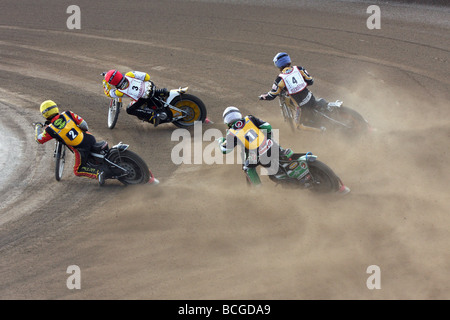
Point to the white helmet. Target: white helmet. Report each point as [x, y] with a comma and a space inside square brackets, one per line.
[231, 114]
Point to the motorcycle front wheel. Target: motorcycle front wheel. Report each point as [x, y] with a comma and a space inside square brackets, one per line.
[60, 159]
[113, 112]
[288, 116]
[194, 110]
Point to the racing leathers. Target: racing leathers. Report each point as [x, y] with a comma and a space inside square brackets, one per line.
[295, 81]
[254, 137]
[72, 130]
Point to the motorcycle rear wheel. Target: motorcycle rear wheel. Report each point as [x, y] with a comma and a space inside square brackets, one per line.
[355, 122]
[288, 116]
[193, 106]
[325, 180]
[138, 172]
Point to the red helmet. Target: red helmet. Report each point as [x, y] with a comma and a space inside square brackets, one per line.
[113, 77]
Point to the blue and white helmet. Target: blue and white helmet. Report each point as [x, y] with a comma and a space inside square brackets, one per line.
[231, 114]
[281, 60]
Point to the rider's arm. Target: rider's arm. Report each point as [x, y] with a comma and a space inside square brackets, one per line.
[277, 87]
[80, 122]
[263, 125]
[110, 91]
[114, 93]
[106, 88]
[227, 144]
[41, 135]
[138, 75]
[308, 79]
[83, 126]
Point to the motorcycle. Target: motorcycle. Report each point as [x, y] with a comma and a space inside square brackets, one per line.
[178, 107]
[333, 117]
[116, 162]
[303, 170]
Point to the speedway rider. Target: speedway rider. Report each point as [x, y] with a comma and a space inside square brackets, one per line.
[137, 86]
[73, 131]
[254, 135]
[295, 80]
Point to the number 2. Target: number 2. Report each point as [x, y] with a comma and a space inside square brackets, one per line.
[72, 134]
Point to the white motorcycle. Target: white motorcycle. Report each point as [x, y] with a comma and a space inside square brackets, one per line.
[178, 107]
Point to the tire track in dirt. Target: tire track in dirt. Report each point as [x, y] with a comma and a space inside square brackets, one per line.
[247, 62]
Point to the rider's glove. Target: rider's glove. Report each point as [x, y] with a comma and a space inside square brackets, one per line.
[38, 129]
[220, 140]
[106, 88]
[263, 96]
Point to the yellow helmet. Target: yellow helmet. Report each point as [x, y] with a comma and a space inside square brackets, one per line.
[49, 109]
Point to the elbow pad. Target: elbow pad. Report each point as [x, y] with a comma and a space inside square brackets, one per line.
[266, 126]
[83, 126]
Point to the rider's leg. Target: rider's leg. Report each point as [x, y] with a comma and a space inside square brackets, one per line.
[251, 173]
[134, 108]
[308, 119]
[321, 103]
[80, 168]
[81, 152]
[147, 114]
[252, 177]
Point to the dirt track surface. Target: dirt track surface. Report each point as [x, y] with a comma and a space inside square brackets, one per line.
[201, 234]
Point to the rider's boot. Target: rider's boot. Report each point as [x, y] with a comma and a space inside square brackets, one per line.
[156, 119]
[286, 153]
[153, 180]
[252, 177]
[322, 104]
[101, 178]
[343, 190]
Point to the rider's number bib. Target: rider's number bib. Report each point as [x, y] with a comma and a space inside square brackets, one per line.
[135, 90]
[294, 81]
[251, 135]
